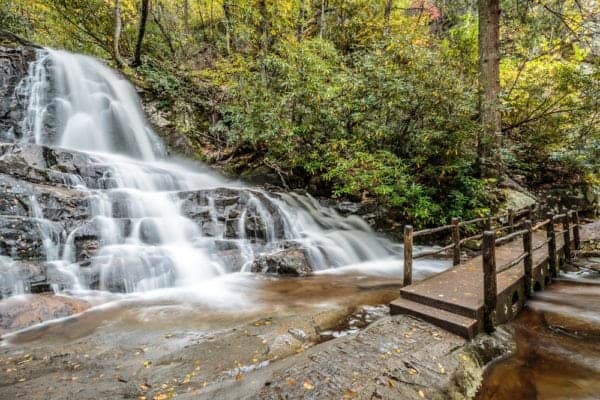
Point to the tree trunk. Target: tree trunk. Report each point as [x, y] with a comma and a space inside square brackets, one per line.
[264, 36]
[117, 36]
[386, 18]
[137, 60]
[322, 19]
[489, 139]
[227, 14]
[301, 21]
[186, 16]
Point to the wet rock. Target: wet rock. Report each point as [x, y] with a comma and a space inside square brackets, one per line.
[20, 313]
[23, 237]
[14, 65]
[393, 358]
[232, 260]
[149, 233]
[284, 262]
[60, 204]
[45, 165]
[239, 213]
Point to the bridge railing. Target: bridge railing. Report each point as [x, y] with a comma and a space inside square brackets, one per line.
[569, 222]
[504, 224]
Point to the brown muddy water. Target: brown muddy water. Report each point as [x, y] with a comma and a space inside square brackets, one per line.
[558, 348]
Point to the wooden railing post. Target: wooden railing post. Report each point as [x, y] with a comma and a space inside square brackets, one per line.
[576, 237]
[456, 241]
[408, 254]
[511, 219]
[489, 223]
[567, 238]
[528, 260]
[489, 281]
[530, 213]
[551, 236]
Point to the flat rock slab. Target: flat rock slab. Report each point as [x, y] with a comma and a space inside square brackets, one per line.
[22, 312]
[394, 358]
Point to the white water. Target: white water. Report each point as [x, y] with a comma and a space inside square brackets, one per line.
[95, 111]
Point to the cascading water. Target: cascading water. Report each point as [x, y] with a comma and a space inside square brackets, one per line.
[142, 233]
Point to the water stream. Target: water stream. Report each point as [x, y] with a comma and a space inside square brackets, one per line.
[558, 348]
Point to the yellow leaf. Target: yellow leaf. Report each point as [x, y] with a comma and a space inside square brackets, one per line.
[422, 394]
[308, 385]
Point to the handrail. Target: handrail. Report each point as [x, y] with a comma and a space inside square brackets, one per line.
[474, 221]
[541, 224]
[570, 222]
[431, 230]
[433, 252]
[549, 265]
[475, 237]
[539, 246]
[520, 213]
[509, 237]
[512, 263]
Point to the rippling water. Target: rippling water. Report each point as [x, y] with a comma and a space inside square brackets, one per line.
[558, 348]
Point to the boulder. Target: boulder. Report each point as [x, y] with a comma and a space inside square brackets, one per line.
[291, 261]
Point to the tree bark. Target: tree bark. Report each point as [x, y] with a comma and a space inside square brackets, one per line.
[386, 18]
[137, 60]
[489, 140]
[186, 16]
[301, 21]
[117, 35]
[227, 14]
[322, 19]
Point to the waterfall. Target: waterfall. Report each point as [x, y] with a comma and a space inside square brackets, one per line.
[155, 223]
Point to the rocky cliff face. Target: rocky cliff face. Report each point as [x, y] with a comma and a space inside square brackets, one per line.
[14, 65]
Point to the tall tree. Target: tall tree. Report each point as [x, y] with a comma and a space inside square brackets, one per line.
[137, 60]
[117, 35]
[489, 87]
[227, 22]
[386, 17]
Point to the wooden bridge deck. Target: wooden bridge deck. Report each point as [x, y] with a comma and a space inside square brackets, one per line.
[454, 299]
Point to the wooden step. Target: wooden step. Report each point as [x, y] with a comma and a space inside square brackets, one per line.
[409, 293]
[457, 324]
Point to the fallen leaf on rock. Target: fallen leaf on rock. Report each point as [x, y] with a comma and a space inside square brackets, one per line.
[147, 364]
[308, 385]
[442, 370]
[291, 381]
[239, 376]
[422, 394]
[391, 383]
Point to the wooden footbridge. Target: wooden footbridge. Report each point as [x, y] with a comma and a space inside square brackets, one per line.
[516, 258]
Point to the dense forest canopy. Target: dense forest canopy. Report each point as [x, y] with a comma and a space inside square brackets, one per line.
[374, 100]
